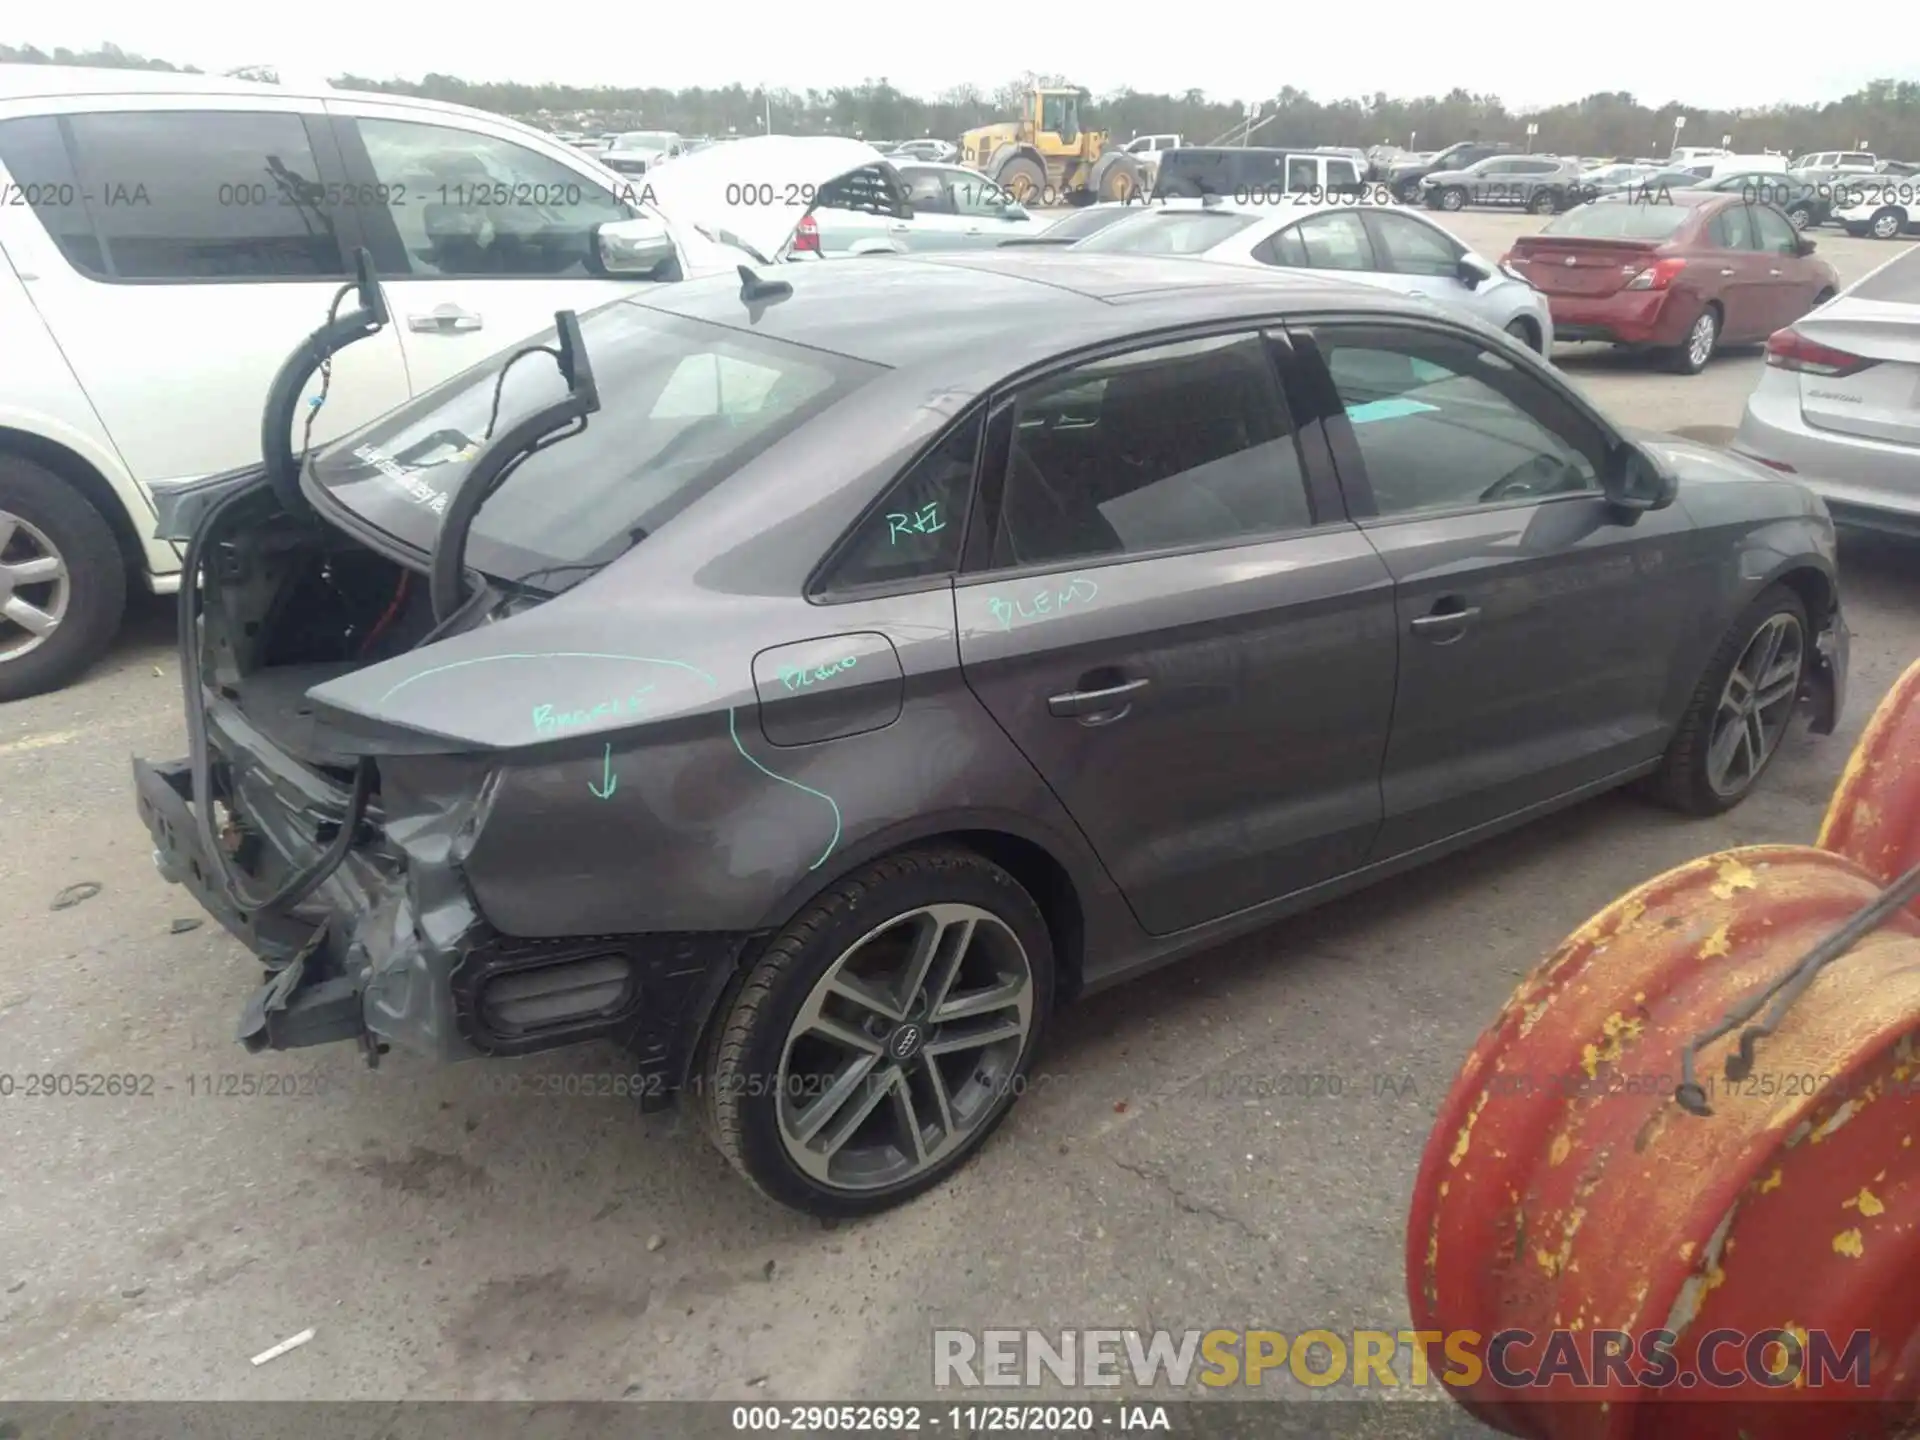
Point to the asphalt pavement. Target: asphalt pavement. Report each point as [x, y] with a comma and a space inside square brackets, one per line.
[450, 1234]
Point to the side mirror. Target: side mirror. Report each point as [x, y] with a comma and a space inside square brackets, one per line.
[1803, 246]
[639, 249]
[1636, 481]
[1473, 272]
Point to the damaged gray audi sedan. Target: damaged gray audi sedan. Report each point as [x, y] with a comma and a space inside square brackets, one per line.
[809, 685]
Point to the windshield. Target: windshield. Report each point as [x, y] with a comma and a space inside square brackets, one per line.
[1168, 232]
[684, 404]
[1620, 220]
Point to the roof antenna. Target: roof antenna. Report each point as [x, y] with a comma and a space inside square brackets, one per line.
[757, 291]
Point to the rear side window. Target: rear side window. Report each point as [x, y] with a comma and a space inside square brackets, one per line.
[35, 154]
[1181, 444]
[915, 533]
[190, 195]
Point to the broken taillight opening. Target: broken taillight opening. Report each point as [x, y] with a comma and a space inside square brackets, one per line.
[1788, 349]
[1657, 276]
[806, 237]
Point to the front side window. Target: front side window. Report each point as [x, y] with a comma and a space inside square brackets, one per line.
[927, 191]
[1181, 444]
[915, 533]
[1414, 248]
[191, 195]
[1443, 424]
[1302, 174]
[1772, 233]
[974, 194]
[465, 204]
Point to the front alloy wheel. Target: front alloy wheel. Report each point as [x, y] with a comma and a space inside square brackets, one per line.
[34, 587]
[1756, 705]
[880, 1037]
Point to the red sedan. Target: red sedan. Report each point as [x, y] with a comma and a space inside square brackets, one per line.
[1680, 272]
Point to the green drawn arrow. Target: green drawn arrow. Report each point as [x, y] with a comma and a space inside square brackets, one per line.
[607, 778]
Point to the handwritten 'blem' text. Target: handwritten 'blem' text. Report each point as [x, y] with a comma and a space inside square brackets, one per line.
[1042, 603]
[799, 679]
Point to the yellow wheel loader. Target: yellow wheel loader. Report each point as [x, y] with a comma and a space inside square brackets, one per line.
[1045, 158]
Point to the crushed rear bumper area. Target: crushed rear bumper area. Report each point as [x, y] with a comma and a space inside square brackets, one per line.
[391, 950]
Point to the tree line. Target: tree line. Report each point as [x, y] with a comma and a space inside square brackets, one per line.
[1884, 115]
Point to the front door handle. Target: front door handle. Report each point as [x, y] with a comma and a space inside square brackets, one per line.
[444, 320]
[900, 227]
[1117, 698]
[1445, 623]
[1773, 272]
[1729, 272]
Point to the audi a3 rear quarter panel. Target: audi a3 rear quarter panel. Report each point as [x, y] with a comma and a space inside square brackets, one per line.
[900, 650]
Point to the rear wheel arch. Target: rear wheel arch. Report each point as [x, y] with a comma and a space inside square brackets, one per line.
[1027, 859]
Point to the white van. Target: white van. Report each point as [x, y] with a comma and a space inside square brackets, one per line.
[168, 239]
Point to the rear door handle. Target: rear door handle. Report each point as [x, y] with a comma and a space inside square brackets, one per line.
[1095, 702]
[444, 320]
[1729, 272]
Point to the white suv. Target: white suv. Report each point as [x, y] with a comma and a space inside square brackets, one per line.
[166, 240]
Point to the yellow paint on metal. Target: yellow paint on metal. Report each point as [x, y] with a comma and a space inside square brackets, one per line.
[1465, 1138]
[1849, 1243]
[1734, 875]
[1717, 943]
[1869, 1203]
[1562, 1147]
[1772, 1182]
[1616, 1031]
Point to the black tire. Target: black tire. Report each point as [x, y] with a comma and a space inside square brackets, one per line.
[1543, 202]
[1120, 182]
[750, 1040]
[1682, 781]
[1522, 330]
[96, 579]
[1822, 298]
[1686, 358]
[1025, 181]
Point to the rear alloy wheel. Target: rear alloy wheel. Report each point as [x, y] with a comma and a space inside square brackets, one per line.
[883, 1035]
[1801, 216]
[63, 584]
[1887, 224]
[1692, 354]
[1453, 198]
[1741, 710]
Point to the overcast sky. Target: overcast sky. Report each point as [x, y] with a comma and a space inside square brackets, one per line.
[1530, 55]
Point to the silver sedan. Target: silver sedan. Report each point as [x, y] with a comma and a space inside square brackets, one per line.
[1397, 249]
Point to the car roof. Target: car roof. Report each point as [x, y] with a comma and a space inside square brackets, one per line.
[46, 82]
[968, 314]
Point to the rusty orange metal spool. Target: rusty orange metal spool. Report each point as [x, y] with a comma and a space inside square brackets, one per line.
[1565, 1190]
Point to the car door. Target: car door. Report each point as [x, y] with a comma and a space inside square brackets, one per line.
[1416, 258]
[1165, 610]
[982, 208]
[1790, 281]
[1535, 621]
[478, 237]
[1736, 274]
[199, 242]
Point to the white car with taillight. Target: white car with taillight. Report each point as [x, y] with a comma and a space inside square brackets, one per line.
[1838, 406]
